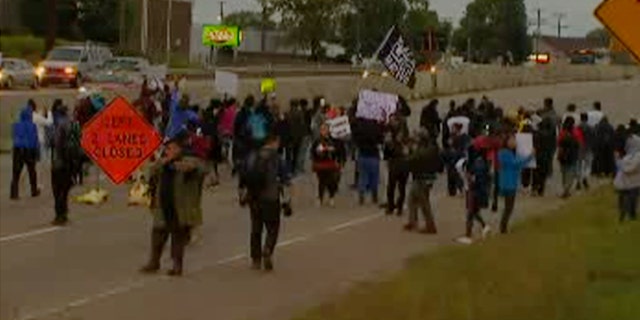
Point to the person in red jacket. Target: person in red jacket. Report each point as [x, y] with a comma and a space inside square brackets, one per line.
[570, 141]
[328, 156]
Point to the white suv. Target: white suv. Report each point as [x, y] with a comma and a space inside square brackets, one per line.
[68, 64]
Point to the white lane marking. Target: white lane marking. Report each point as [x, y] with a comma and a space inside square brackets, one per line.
[141, 283]
[28, 234]
[354, 222]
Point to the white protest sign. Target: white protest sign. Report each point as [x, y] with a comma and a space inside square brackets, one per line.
[374, 105]
[524, 148]
[339, 127]
[461, 120]
[226, 83]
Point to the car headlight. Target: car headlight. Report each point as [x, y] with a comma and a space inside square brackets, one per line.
[69, 70]
[40, 71]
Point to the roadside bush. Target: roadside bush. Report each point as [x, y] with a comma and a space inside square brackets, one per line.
[28, 47]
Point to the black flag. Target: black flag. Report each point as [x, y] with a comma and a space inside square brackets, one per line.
[395, 54]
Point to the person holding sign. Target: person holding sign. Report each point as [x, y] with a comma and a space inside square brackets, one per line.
[328, 156]
[368, 137]
[509, 175]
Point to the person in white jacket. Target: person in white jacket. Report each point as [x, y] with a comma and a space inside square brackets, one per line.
[42, 119]
[627, 180]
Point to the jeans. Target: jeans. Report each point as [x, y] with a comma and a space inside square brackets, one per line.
[264, 215]
[509, 204]
[586, 165]
[22, 157]
[303, 152]
[397, 180]
[61, 182]
[569, 176]
[628, 203]
[420, 200]
[368, 175]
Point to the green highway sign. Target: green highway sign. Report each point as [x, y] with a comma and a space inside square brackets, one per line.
[221, 36]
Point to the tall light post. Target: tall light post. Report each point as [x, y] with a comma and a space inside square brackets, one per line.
[169, 14]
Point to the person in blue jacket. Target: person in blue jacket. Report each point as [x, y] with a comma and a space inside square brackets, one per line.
[509, 177]
[25, 151]
[181, 115]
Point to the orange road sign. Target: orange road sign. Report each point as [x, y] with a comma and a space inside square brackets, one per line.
[119, 139]
[622, 18]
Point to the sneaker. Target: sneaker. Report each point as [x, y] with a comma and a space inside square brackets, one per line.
[464, 240]
[268, 263]
[409, 227]
[485, 232]
[585, 183]
[149, 269]
[256, 265]
[175, 272]
[36, 193]
[332, 203]
[319, 203]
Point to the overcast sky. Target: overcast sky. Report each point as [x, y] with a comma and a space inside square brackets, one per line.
[579, 13]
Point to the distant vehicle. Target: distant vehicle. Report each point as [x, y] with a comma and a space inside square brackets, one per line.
[70, 64]
[17, 72]
[126, 70]
[583, 57]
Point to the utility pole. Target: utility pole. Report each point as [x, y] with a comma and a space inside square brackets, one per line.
[560, 26]
[144, 32]
[121, 32]
[538, 30]
[52, 30]
[169, 14]
[222, 12]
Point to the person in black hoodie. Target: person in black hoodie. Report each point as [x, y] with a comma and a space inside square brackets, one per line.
[396, 150]
[604, 163]
[328, 156]
[430, 119]
[544, 141]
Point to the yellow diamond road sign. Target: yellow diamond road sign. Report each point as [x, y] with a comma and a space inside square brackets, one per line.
[622, 18]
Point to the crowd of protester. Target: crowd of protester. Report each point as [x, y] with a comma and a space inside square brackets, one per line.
[265, 144]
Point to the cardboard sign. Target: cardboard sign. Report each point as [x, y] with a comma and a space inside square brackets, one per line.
[118, 139]
[339, 127]
[267, 85]
[226, 83]
[374, 105]
[524, 148]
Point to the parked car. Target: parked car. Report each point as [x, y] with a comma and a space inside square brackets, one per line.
[126, 70]
[17, 72]
[70, 64]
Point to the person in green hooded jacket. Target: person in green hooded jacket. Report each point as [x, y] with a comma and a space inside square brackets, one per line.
[175, 186]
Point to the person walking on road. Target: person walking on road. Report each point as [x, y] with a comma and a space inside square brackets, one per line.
[478, 177]
[65, 160]
[26, 147]
[424, 164]
[267, 181]
[586, 152]
[396, 151]
[175, 187]
[570, 141]
[510, 170]
[627, 180]
[368, 137]
[328, 156]
[43, 120]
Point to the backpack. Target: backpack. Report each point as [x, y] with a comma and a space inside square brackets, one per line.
[255, 175]
[569, 149]
[257, 125]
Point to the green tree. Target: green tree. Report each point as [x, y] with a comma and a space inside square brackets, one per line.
[600, 35]
[98, 20]
[309, 22]
[366, 23]
[494, 27]
[35, 15]
[249, 19]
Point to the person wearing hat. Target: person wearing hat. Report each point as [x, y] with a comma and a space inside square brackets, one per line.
[175, 186]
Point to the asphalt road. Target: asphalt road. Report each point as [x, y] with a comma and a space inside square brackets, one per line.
[88, 269]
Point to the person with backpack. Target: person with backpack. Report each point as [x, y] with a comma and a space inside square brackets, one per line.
[509, 175]
[267, 181]
[328, 157]
[627, 180]
[175, 184]
[570, 141]
[477, 175]
[65, 160]
[26, 147]
[368, 138]
[424, 163]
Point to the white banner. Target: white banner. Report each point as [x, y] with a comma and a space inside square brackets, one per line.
[339, 127]
[226, 83]
[376, 105]
[524, 148]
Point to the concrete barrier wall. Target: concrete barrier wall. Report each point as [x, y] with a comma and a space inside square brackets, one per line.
[343, 89]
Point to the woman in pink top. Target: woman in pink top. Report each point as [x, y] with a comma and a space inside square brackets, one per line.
[225, 125]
